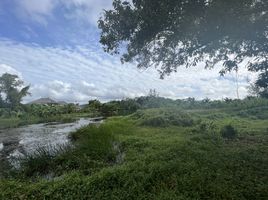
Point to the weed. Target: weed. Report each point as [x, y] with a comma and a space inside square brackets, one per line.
[228, 132]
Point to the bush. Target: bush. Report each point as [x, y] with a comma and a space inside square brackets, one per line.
[157, 121]
[163, 118]
[93, 148]
[228, 132]
[206, 127]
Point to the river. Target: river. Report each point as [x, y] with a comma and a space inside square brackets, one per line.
[16, 142]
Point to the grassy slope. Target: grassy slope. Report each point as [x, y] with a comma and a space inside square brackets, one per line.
[168, 162]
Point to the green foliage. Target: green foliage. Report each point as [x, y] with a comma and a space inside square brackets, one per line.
[250, 107]
[41, 162]
[112, 108]
[172, 152]
[93, 148]
[154, 102]
[254, 113]
[9, 85]
[37, 113]
[128, 106]
[168, 34]
[45, 111]
[228, 132]
[170, 163]
[96, 142]
[2, 102]
[163, 118]
[206, 127]
[261, 85]
[93, 106]
[192, 104]
[25, 119]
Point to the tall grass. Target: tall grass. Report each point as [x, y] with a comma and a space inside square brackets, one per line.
[42, 161]
[92, 149]
[163, 117]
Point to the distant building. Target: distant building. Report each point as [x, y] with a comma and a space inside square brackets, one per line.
[47, 101]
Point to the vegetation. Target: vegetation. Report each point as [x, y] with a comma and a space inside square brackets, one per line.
[152, 147]
[228, 132]
[9, 85]
[13, 113]
[168, 34]
[31, 114]
[163, 118]
[260, 87]
[123, 107]
[152, 100]
[92, 149]
[202, 151]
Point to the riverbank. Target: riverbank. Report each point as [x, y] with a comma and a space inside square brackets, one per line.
[14, 122]
[154, 154]
[18, 144]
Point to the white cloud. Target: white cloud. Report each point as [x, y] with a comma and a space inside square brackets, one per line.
[81, 10]
[89, 10]
[78, 92]
[39, 7]
[82, 73]
[8, 69]
[36, 10]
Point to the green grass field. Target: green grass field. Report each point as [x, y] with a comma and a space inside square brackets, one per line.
[154, 154]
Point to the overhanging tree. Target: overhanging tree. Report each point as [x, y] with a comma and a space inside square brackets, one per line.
[166, 34]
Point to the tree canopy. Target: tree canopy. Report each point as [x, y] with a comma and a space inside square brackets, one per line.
[166, 34]
[260, 87]
[13, 90]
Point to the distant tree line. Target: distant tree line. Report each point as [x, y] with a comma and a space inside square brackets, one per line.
[12, 91]
[129, 106]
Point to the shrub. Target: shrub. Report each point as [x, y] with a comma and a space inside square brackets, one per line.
[163, 117]
[157, 121]
[207, 127]
[228, 132]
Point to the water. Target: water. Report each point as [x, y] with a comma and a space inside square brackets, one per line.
[16, 142]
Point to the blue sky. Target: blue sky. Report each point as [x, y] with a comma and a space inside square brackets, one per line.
[53, 46]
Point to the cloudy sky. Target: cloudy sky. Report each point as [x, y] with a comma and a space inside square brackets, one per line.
[53, 46]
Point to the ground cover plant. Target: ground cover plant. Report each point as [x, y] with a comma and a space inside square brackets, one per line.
[219, 155]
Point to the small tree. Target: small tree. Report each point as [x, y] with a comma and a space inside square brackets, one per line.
[95, 105]
[110, 109]
[2, 103]
[10, 86]
[262, 84]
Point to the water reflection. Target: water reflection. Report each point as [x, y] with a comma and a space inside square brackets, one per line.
[18, 141]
